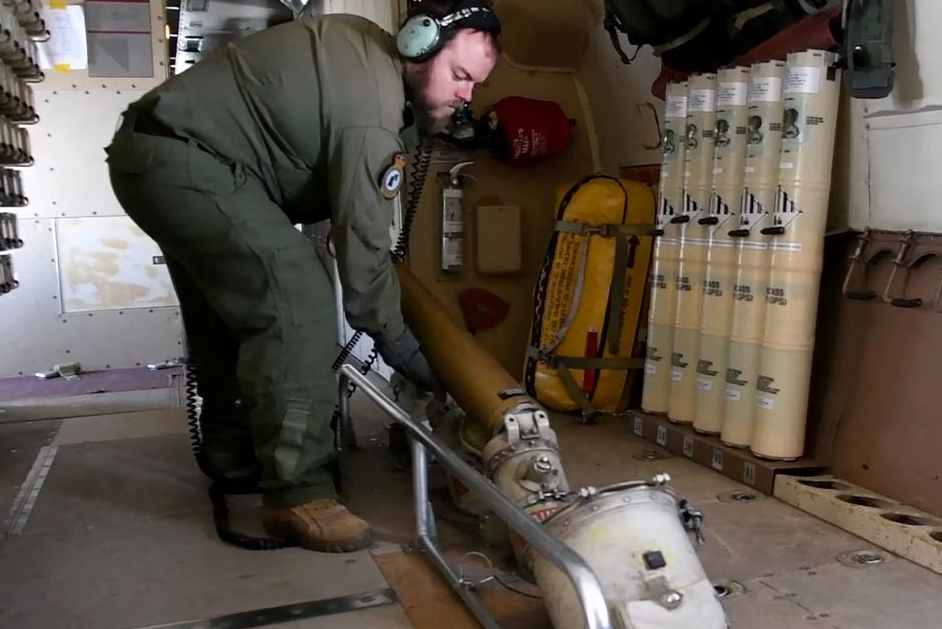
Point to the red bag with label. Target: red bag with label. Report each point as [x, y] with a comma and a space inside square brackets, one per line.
[530, 131]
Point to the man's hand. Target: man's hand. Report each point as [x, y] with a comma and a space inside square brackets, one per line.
[405, 356]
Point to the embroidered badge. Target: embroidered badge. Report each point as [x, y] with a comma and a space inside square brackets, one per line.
[392, 177]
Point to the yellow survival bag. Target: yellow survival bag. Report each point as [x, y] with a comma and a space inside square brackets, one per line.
[589, 296]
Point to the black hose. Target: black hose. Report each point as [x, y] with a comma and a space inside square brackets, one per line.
[220, 485]
[423, 159]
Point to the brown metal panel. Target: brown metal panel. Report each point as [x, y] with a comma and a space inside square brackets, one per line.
[837, 327]
[880, 422]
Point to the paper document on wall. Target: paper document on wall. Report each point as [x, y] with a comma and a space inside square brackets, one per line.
[120, 39]
[111, 16]
[66, 49]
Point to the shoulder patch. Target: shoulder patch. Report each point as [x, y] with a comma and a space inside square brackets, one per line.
[392, 177]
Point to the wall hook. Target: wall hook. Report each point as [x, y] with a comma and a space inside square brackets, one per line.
[641, 107]
[915, 264]
[899, 263]
[861, 290]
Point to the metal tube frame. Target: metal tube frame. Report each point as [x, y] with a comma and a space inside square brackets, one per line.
[583, 579]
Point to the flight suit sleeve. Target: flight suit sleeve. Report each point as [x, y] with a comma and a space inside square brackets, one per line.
[361, 218]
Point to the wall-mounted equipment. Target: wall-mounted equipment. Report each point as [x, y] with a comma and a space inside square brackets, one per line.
[9, 232]
[498, 238]
[868, 48]
[516, 130]
[451, 259]
[19, 67]
[202, 26]
[8, 279]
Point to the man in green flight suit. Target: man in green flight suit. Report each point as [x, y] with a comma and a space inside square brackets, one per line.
[299, 123]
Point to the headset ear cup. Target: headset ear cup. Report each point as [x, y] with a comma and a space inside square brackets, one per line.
[418, 36]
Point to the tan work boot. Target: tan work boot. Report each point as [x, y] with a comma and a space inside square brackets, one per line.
[321, 525]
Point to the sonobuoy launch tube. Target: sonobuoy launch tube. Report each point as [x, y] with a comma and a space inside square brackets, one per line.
[764, 144]
[799, 220]
[656, 388]
[732, 112]
[698, 186]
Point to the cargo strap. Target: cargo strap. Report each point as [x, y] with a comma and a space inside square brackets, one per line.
[606, 230]
[562, 364]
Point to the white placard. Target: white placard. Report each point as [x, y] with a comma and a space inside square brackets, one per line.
[765, 89]
[803, 80]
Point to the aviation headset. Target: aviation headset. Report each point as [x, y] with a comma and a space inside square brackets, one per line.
[422, 35]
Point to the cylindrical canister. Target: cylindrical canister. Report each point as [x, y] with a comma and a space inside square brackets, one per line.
[655, 393]
[732, 112]
[811, 93]
[643, 525]
[760, 182]
[698, 188]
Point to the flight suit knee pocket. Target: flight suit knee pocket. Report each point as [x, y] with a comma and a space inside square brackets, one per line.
[299, 441]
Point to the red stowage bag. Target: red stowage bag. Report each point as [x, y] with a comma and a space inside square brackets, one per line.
[530, 131]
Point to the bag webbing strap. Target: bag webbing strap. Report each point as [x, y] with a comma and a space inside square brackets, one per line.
[584, 362]
[563, 364]
[616, 293]
[576, 298]
[606, 230]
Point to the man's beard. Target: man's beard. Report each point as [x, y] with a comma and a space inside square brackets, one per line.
[427, 124]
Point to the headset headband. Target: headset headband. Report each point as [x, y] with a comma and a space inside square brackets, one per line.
[461, 14]
[421, 36]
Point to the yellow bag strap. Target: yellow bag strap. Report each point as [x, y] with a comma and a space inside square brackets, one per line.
[606, 230]
[623, 254]
[616, 292]
[584, 362]
[563, 364]
[576, 298]
[572, 388]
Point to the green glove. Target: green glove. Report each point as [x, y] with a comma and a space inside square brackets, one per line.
[405, 356]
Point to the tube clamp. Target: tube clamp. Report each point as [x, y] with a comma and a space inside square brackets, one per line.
[520, 448]
[547, 496]
[530, 424]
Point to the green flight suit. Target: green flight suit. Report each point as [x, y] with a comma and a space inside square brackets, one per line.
[293, 124]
